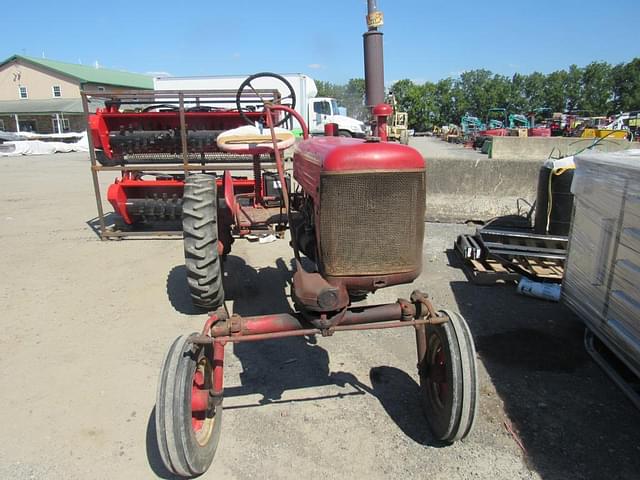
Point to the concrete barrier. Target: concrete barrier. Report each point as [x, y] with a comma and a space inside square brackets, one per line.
[463, 184]
[540, 148]
[465, 189]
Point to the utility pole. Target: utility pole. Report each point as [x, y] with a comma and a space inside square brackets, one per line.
[373, 56]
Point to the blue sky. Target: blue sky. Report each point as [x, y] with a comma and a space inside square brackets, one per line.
[424, 39]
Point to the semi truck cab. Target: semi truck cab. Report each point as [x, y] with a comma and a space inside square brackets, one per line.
[323, 110]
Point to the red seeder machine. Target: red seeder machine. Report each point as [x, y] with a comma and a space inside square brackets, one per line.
[357, 215]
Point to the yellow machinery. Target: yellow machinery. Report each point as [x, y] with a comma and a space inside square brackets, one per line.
[397, 128]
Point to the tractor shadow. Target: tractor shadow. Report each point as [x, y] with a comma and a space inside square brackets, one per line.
[114, 223]
[570, 418]
[270, 368]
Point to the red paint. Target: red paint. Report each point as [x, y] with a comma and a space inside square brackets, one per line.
[199, 401]
[270, 324]
[106, 121]
[99, 133]
[218, 368]
[494, 132]
[131, 186]
[331, 130]
[318, 156]
[382, 112]
[539, 132]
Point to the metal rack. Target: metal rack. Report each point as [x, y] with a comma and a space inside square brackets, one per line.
[219, 100]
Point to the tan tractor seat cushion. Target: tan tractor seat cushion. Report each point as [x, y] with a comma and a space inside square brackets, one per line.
[250, 139]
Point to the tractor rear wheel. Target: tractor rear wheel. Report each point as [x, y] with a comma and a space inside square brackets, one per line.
[449, 379]
[200, 232]
[188, 423]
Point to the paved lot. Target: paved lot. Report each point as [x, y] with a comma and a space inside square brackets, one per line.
[85, 325]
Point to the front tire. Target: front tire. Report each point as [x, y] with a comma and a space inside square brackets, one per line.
[188, 428]
[449, 379]
[200, 233]
[344, 133]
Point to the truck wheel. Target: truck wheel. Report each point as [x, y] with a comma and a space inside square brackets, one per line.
[188, 425]
[449, 379]
[344, 133]
[200, 231]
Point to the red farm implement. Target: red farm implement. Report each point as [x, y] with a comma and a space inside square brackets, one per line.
[154, 139]
[356, 223]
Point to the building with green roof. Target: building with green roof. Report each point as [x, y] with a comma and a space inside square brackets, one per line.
[43, 96]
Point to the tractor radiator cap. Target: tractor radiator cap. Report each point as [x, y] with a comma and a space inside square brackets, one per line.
[371, 139]
[382, 110]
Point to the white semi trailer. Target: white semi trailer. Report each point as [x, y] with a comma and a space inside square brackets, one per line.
[316, 111]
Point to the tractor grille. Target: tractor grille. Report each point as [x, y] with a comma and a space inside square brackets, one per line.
[372, 223]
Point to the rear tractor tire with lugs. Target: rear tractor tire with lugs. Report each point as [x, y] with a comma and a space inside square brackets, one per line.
[200, 230]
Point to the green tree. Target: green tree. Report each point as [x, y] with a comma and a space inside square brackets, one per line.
[554, 91]
[517, 101]
[534, 91]
[573, 88]
[353, 99]
[597, 88]
[445, 101]
[626, 86]
[473, 89]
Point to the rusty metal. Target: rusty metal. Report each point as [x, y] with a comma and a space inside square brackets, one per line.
[379, 313]
[217, 392]
[283, 325]
[373, 62]
[421, 344]
[421, 299]
[312, 291]
[257, 175]
[94, 175]
[205, 339]
[348, 223]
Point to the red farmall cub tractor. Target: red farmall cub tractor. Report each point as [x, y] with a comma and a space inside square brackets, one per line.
[357, 216]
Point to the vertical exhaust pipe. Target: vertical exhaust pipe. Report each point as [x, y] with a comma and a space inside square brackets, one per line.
[373, 56]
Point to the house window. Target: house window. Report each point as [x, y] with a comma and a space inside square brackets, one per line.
[64, 122]
[2, 125]
[56, 91]
[23, 92]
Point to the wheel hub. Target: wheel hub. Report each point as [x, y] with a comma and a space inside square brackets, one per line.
[202, 414]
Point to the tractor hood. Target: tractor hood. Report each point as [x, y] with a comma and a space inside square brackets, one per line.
[338, 154]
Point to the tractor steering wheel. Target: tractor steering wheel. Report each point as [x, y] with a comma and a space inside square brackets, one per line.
[287, 100]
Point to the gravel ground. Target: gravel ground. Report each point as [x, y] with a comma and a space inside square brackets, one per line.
[86, 324]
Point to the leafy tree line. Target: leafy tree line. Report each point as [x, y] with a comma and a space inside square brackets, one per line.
[596, 89]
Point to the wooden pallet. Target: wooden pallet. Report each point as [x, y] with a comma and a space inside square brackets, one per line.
[543, 268]
[488, 272]
[492, 272]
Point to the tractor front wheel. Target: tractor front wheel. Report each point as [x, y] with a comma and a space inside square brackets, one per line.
[449, 379]
[188, 423]
[200, 231]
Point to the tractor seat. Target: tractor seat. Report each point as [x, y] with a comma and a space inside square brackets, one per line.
[249, 139]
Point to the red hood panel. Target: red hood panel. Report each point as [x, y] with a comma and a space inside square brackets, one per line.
[339, 154]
